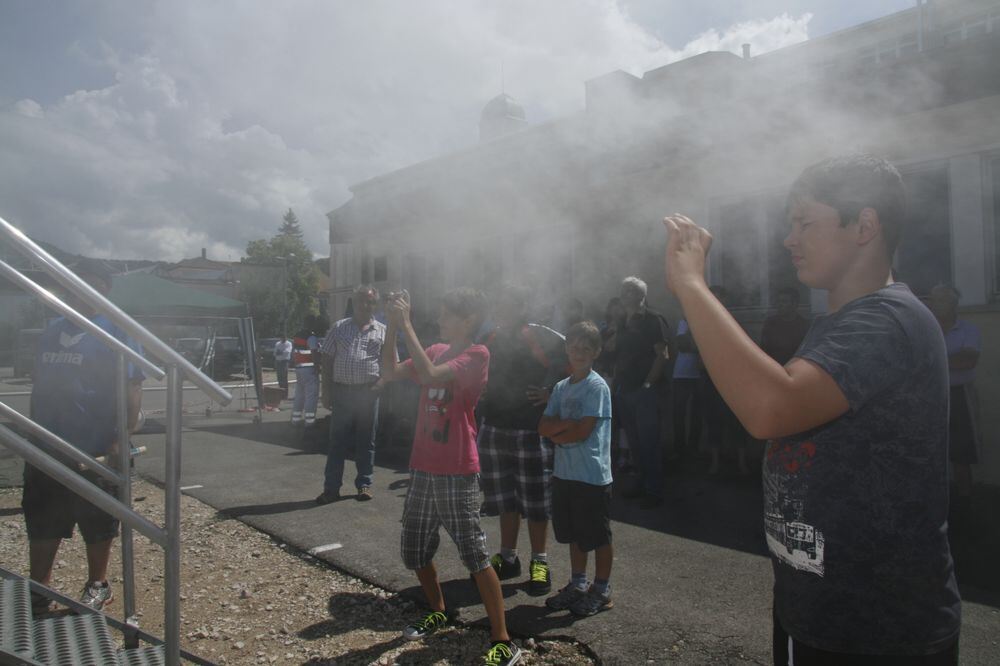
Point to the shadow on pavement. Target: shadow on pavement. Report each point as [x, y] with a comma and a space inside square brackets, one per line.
[544, 618]
[270, 509]
[458, 593]
[725, 510]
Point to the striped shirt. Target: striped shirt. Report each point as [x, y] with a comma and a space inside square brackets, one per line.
[356, 352]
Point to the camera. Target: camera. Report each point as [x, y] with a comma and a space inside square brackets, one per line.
[400, 293]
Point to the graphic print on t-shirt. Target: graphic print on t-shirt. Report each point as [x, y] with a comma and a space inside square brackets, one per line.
[438, 405]
[789, 537]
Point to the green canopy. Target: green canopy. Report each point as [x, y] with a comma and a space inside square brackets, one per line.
[146, 294]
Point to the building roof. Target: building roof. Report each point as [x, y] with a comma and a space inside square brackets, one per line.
[145, 294]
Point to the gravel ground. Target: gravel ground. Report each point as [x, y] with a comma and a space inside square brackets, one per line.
[247, 600]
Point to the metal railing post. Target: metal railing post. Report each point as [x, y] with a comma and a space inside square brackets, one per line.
[125, 497]
[172, 553]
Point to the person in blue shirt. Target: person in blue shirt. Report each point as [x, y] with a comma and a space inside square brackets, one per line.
[578, 420]
[74, 397]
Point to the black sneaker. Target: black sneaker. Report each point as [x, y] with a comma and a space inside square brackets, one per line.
[504, 568]
[502, 653]
[539, 578]
[428, 624]
[327, 498]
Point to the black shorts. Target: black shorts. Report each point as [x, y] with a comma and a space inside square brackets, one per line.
[581, 513]
[961, 427]
[51, 510]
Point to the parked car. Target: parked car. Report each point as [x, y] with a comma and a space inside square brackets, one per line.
[265, 349]
[24, 351]
[228, 357]
[192, 349]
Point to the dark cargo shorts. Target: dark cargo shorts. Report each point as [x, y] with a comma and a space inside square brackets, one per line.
[51, 510]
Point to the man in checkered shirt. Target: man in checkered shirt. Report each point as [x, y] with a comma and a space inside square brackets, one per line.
[351, 352]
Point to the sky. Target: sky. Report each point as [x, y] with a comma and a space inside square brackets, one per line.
[150, 130]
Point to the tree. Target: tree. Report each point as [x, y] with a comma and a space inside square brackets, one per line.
[290, 226]
[278, 280]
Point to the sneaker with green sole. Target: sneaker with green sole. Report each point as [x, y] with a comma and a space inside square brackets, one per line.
[502, 653]
[539, 578]
[427, 625]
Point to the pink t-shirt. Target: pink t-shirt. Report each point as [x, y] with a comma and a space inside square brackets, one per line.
[445, 439]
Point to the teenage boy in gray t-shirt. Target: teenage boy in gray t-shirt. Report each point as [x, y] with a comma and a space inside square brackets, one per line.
[855, 475]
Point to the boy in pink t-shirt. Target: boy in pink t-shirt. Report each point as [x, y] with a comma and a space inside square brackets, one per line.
[444, 464]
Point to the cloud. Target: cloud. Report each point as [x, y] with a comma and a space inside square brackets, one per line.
[224, 119]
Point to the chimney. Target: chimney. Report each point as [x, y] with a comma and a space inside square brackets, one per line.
[746, 51]
[204, 255]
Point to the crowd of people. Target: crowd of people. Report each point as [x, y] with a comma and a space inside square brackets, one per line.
[853, 406]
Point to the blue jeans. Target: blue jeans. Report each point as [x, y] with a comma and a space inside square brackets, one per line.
[640, 417]
[353, 422]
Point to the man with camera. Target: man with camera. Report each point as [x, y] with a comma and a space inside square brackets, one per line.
[351, 353]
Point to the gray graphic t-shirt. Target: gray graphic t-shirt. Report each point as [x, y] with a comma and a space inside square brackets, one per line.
[855, 510]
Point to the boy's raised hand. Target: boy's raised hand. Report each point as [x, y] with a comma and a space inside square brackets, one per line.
[398, 309]
[687, 247]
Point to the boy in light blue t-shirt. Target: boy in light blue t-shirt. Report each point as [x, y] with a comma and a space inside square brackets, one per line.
[578, 420]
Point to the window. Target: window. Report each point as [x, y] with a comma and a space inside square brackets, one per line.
[380, 268]
[923, 258]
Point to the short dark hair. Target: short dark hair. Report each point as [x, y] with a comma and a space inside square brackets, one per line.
[366, 289]
[851, 183]
[586, 331]
[466, 302]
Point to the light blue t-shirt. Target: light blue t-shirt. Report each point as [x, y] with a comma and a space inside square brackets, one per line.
[588, 461]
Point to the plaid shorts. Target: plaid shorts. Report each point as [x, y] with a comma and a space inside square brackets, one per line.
[516, 472]
[436, 500]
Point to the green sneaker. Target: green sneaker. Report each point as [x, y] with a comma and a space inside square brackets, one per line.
[504, 568]
[427, 625]
[539, 578]
[502, 654]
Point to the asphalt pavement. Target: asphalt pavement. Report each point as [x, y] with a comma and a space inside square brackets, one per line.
[691, 579]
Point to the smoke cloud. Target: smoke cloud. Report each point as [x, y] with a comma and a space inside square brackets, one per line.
[196, 125]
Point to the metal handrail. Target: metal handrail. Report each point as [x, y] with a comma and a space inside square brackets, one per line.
[80, 485]
[50, 299]
[178, 367]
[91, 297]
[59, 444]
